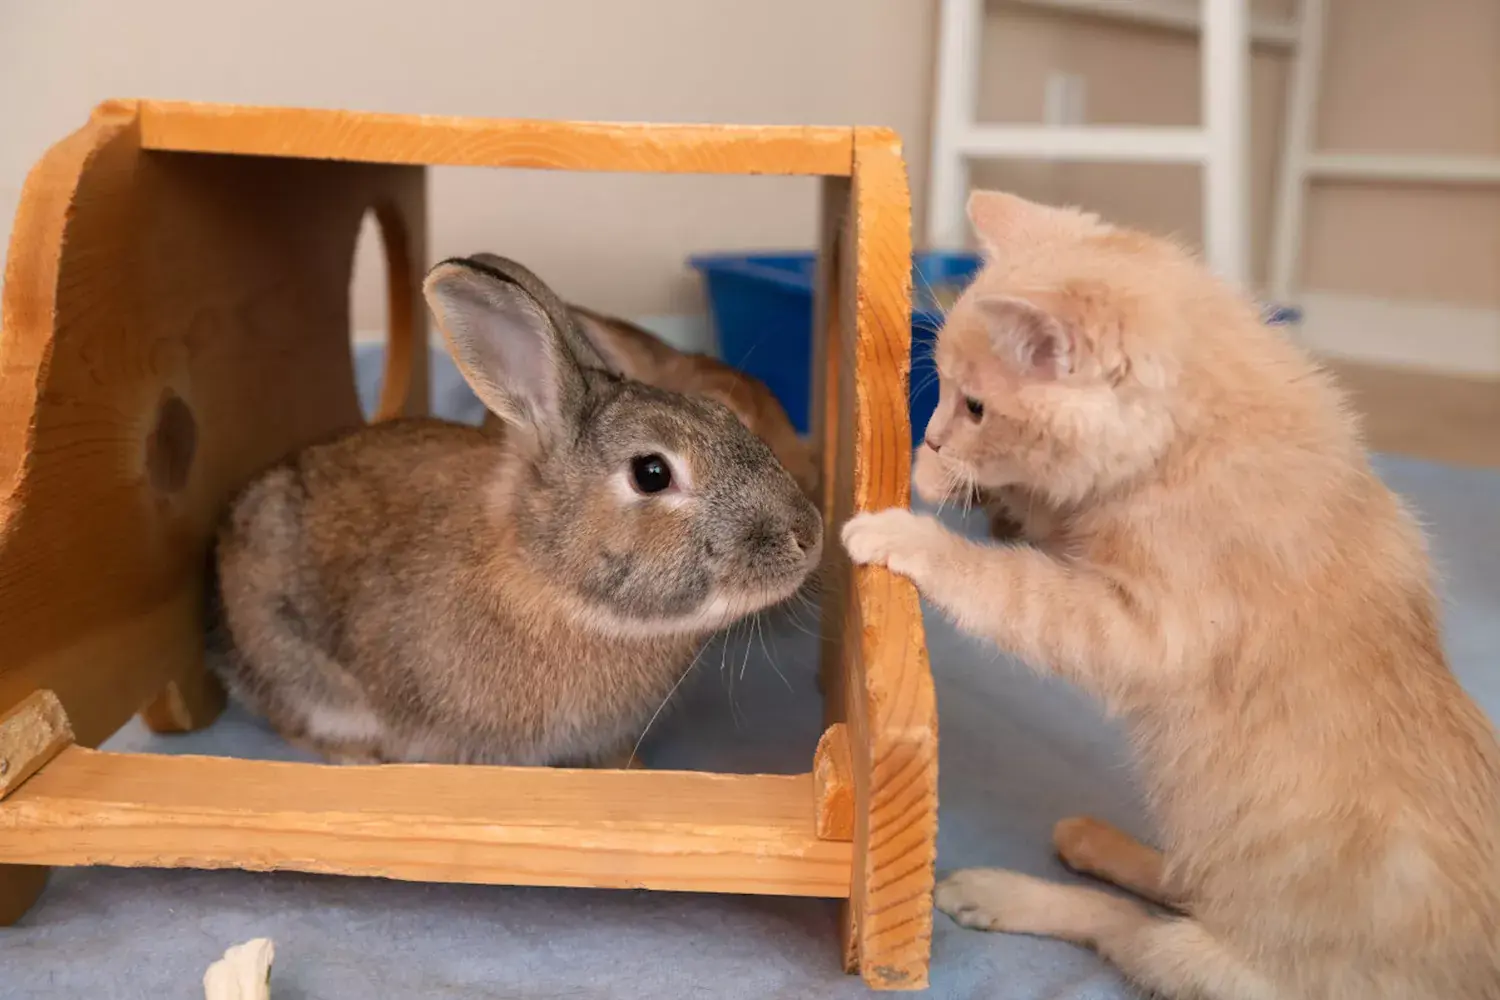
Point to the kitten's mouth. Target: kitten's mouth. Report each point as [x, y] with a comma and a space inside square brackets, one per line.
[940, 480]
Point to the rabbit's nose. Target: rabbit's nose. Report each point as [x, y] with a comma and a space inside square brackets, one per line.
[807, 536]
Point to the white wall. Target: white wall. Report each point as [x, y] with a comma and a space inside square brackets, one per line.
[1401, 75]
[614, 241]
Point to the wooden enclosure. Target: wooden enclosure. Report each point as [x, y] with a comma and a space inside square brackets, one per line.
[176, 319]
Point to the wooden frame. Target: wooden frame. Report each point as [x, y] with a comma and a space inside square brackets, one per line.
[176, 318]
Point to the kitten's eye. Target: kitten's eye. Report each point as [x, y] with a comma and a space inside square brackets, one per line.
[975, 407]
[650, 473]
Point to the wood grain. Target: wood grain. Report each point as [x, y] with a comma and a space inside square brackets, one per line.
[833, 784]
[827, 426]
[495, 142]
[514, 826]
[31, 734]
[172, 325]
[891, 707]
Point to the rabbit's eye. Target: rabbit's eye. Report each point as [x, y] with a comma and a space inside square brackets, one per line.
[651, 473]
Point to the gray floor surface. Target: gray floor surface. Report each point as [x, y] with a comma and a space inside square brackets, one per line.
[1018, 752]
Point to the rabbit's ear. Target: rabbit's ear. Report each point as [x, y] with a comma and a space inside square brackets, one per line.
[508, 338]
[626, 349]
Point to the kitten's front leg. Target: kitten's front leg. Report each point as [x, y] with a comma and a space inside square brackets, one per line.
[1052, 614]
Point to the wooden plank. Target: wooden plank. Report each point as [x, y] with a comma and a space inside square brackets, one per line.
[495, 142]
[833, 784]
[173, 324]
[31, 734]
[891, 707]
[515, 826]
[830, 340]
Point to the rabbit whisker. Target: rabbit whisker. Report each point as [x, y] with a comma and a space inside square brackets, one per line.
[652, 721]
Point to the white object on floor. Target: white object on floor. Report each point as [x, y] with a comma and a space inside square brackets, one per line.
[244, 973]
[1219, 145]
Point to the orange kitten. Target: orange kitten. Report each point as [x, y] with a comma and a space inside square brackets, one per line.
[1207, 550]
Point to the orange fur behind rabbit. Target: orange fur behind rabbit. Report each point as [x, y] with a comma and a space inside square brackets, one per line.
[1206, 549]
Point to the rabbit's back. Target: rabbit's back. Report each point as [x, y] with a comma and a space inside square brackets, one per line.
[377, 607]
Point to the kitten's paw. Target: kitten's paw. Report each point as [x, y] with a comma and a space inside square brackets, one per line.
[895, 538]
[993, 899]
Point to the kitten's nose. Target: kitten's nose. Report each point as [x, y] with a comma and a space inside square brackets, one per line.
[929, 442]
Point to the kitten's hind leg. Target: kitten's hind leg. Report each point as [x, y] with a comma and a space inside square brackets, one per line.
[1093, 847]
[1175, 958]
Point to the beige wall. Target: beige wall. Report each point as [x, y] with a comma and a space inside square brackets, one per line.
[1409, 75]
[616, 241]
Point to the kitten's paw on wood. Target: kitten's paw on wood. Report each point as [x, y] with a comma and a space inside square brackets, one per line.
[895, 538]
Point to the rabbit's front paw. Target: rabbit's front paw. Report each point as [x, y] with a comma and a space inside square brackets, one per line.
[896, 538]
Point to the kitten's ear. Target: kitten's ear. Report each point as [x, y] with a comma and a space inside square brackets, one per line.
[996, 216]
[1001, 220]
[508, 341]
[1040, 344]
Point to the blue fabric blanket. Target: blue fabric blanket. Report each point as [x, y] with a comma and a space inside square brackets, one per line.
[1018, 752]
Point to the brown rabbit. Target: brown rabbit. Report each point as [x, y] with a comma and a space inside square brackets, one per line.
[426, 591]
[637, 353]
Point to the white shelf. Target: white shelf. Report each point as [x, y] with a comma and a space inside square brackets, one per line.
[1117, 144]
[1219, 145]
[1402, 169]
[1166, 15]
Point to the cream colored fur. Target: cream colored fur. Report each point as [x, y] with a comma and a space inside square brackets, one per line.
[1204, 547]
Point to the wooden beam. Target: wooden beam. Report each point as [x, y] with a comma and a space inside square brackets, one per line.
[682, 831]
[495, 142]
[833, 784]
[891, 706]
[173, 325]
[31, 734]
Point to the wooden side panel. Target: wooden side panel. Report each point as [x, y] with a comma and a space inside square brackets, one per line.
[830, 432]
[495, 142]
[833, 784]
[405, 388]
[172, 324]
[889, 701]
[513, 826]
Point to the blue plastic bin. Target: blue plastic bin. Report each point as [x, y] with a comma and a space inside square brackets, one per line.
[762, 306]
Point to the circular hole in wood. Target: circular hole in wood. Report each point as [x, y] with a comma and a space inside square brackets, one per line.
[380, 324]
[172, 445]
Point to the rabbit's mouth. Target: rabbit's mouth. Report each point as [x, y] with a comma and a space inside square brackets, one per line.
[723, 607]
